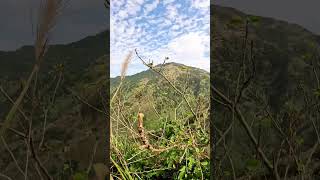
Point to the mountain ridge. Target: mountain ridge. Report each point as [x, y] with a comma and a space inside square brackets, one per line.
[235, 10]
[163, 66]
[76, 56]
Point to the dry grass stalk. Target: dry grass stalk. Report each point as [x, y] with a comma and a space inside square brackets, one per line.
[125, 65]
[48, 14]
[124, 68]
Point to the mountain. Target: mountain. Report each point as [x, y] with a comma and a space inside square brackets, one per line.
[72, 82]
[148, 86]
[70, 102]
[283, 51]
[174, 71]
[281, 96]
[76, 56]
[276, 70]
[174, 130]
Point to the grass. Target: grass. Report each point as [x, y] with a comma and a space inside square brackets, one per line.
[175, 126]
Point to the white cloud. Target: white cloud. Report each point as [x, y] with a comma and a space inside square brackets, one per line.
[165, 2]
[123, 14]
[152, 6]
[172, 12]
[201, 3]
[160, 33]
[133, 8]
[189, 49]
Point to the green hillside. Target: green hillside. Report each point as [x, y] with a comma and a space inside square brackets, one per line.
[267, 99]
[168, 122]
[69, 102]
[77, 56]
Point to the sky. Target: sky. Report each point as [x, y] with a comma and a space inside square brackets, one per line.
[82, 18]
[178, 29]
[305, 13]
[79, 19]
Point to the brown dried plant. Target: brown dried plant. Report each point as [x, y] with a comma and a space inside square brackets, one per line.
[124, 68]
[125, 65]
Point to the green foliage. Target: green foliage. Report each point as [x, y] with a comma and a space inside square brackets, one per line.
[235, 22]
[80, 176]
[253, 165]
[266, 123]
[254, 20]
[280, 103]
[317, 92]
[166, 121]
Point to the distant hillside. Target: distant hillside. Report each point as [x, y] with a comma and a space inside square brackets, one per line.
[278, 109]
[71, 122]
[76, 56]
[175, 69]
[283, 52]
[147, 84]
[75, 75]
[175, 107]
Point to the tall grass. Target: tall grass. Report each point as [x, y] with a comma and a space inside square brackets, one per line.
[47, 18]
[124, 68]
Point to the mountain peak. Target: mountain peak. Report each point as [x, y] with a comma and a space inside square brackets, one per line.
[170, 64]
[175, 65]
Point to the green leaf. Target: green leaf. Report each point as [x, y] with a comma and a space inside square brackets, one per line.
[191, 163]
[80, 176]
[65, 167]
[317, 92]
[266, 122]
[300, 140]
[254, 20]
[227, 173]
[182, 172]
[236, 21]
[205, 163]
[307, 56]
[252, 164]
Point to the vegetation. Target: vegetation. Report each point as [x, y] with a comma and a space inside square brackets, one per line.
[168, 95]
[265, 77]
[52, 118]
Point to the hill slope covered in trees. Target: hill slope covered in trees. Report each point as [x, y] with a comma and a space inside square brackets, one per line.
[266, 87]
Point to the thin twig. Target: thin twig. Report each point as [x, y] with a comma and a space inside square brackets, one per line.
[12, 155]
[5, 176]
[38, 161]
[93, 155]
[85, 102]
[246, 127]
[171, 84]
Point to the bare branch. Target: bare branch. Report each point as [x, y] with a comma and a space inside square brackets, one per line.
[171, 84]
[12, 155]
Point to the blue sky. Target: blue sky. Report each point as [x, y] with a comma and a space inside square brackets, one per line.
[178, 29]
